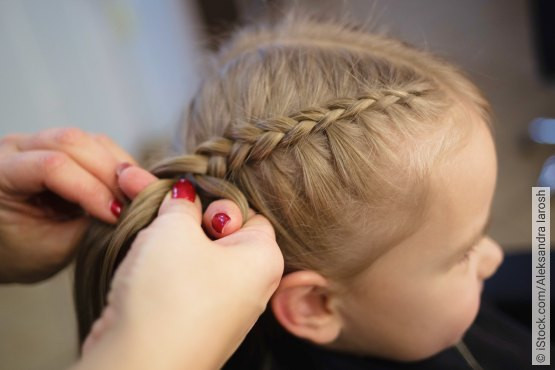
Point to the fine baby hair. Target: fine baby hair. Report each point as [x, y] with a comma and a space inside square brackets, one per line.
[319, 125]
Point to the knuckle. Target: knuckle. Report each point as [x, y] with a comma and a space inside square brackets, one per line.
[186, 216]
[52, 161]
[9, 139]
[95, 187]
[264, 225]
[103, 138]
[263, 221]
[68, 136]
[143, 236]
[177, 215]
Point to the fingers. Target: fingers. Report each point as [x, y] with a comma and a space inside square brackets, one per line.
[260, 224]
[179, 203]
[85, 150]
[8, 143]
[257, 230]
[31, 172]
[118, 153]
[221, 218]
[132, 180]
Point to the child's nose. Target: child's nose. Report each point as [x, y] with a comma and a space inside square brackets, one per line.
[490, 259]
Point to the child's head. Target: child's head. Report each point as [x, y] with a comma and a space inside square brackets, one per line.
[420, 295]
[374, 162]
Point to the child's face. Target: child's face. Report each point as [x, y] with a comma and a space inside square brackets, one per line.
[422, 295]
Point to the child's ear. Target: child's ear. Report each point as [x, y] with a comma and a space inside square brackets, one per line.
[301, 304]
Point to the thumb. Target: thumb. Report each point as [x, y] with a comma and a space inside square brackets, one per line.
[182, 201]
[257, 246]
[257, 230]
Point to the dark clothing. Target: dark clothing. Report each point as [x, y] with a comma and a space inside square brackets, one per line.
[495, 339]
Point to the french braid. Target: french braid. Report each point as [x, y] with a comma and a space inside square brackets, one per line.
[213, 166]
[321, 174]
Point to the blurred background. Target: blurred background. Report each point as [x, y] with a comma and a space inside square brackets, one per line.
[127, 68]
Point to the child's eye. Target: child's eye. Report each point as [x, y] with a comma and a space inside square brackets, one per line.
[466, 256]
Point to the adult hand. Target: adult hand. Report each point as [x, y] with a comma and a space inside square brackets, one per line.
[181, 300]
[49, 183]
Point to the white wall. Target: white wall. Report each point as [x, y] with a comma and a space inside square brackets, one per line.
[122, 67]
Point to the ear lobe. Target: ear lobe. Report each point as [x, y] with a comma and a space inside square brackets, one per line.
[301, 305]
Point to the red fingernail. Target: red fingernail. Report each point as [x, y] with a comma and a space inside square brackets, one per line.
[122, 166]
[219, 221]
[184, 189]
[115, 207]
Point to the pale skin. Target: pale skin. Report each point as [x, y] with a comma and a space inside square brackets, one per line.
[168, 259]
[422, 295]
[441, 295]
[180, 300]
[80, 169]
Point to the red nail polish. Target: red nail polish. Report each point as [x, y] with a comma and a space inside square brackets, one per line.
[184, 189]
[115, 207]
[219, 221]
[122, 166]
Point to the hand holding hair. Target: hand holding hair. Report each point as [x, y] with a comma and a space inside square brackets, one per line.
[179, 299]
[49, 182]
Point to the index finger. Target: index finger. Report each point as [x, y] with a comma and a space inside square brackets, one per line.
[223, 217]
[133, 179]
[31, 172]
[89, 153]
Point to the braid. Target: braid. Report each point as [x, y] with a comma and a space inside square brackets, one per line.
[213, 166]
[257, 141]
[320, 174]
[216, 160]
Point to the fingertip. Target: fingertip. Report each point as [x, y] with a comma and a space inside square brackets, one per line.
[133, 179]
[262, 224]
[122, 166]
[221, 218]
[110, 211]
[178, 200]
[99, 202]
[116, 207]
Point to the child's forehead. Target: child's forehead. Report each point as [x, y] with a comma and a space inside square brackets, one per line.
[473, 163]
[463, 185]
[460, 191]
[430, 173]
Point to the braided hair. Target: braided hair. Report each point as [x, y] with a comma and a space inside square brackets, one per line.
[310, 122]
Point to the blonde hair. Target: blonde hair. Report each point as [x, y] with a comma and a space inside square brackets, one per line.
[327, 130]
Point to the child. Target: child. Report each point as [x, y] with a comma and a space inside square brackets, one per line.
[376, 165]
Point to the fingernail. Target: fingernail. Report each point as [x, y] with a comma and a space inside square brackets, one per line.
[115, 207]
[122, 166]
[219, 221]
[183, 189]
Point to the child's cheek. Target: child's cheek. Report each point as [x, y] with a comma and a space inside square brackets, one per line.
[463, 310]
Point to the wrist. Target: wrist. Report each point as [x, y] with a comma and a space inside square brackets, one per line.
[199, 337]
[125, 348]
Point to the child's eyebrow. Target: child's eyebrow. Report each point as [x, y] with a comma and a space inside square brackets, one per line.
[476, 238]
